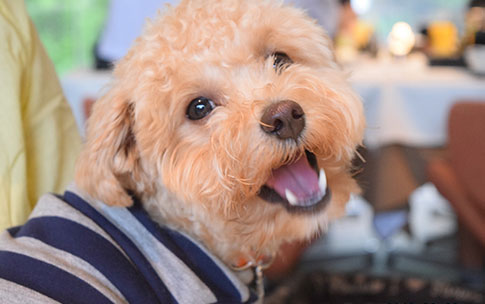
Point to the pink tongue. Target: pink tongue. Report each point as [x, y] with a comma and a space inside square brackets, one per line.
[299, 177]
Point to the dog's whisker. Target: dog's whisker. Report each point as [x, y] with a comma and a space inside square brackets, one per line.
[360, 156]
[357, 172]
[264, 124]
[253, 114]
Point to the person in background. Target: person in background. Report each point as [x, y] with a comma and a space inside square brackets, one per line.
[326, 12]
[124, 23]
[474, 23]
[39, 140]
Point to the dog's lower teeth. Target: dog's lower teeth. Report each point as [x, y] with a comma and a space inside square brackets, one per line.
[290, 197]
[322, 181]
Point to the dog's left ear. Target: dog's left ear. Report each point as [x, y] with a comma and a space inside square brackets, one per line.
[109, 165]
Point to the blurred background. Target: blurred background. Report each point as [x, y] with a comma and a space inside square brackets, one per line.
[419, 66]
[69, 30]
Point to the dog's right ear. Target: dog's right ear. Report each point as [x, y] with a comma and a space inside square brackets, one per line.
[109, 162]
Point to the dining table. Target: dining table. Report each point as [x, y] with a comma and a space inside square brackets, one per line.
[407, 101]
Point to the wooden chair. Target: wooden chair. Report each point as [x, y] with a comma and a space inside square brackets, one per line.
[460, 177]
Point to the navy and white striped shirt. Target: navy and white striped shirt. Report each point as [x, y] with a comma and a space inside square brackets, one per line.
[76, 251]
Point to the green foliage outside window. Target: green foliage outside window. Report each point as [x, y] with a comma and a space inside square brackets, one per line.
[68, 29]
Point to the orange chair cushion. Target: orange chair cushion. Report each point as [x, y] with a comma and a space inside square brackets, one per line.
[467, 147]
[446, 181]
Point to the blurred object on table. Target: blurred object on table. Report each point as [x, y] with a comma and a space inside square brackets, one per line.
[401, 39]
[443, 46]
[360, 39]
[475, 58]
[354, 35]
[443, 39]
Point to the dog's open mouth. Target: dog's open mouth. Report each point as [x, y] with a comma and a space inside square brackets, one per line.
[299, 186]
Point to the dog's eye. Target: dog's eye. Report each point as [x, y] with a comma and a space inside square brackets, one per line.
[281, 60]
[199, 108]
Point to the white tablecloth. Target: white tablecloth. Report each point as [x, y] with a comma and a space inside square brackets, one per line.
[408, 102]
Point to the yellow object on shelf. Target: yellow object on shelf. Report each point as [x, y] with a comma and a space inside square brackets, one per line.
[443, 38]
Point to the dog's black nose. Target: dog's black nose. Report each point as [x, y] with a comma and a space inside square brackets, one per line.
[284, 119]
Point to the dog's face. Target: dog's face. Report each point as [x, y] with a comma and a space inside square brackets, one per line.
[231, 121]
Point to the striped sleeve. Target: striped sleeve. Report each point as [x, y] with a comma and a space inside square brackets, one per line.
[13, 293]
[67, 261]
[221, 281]
[156, 289]
[47, 279]
[63, 260]
[183, 284]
